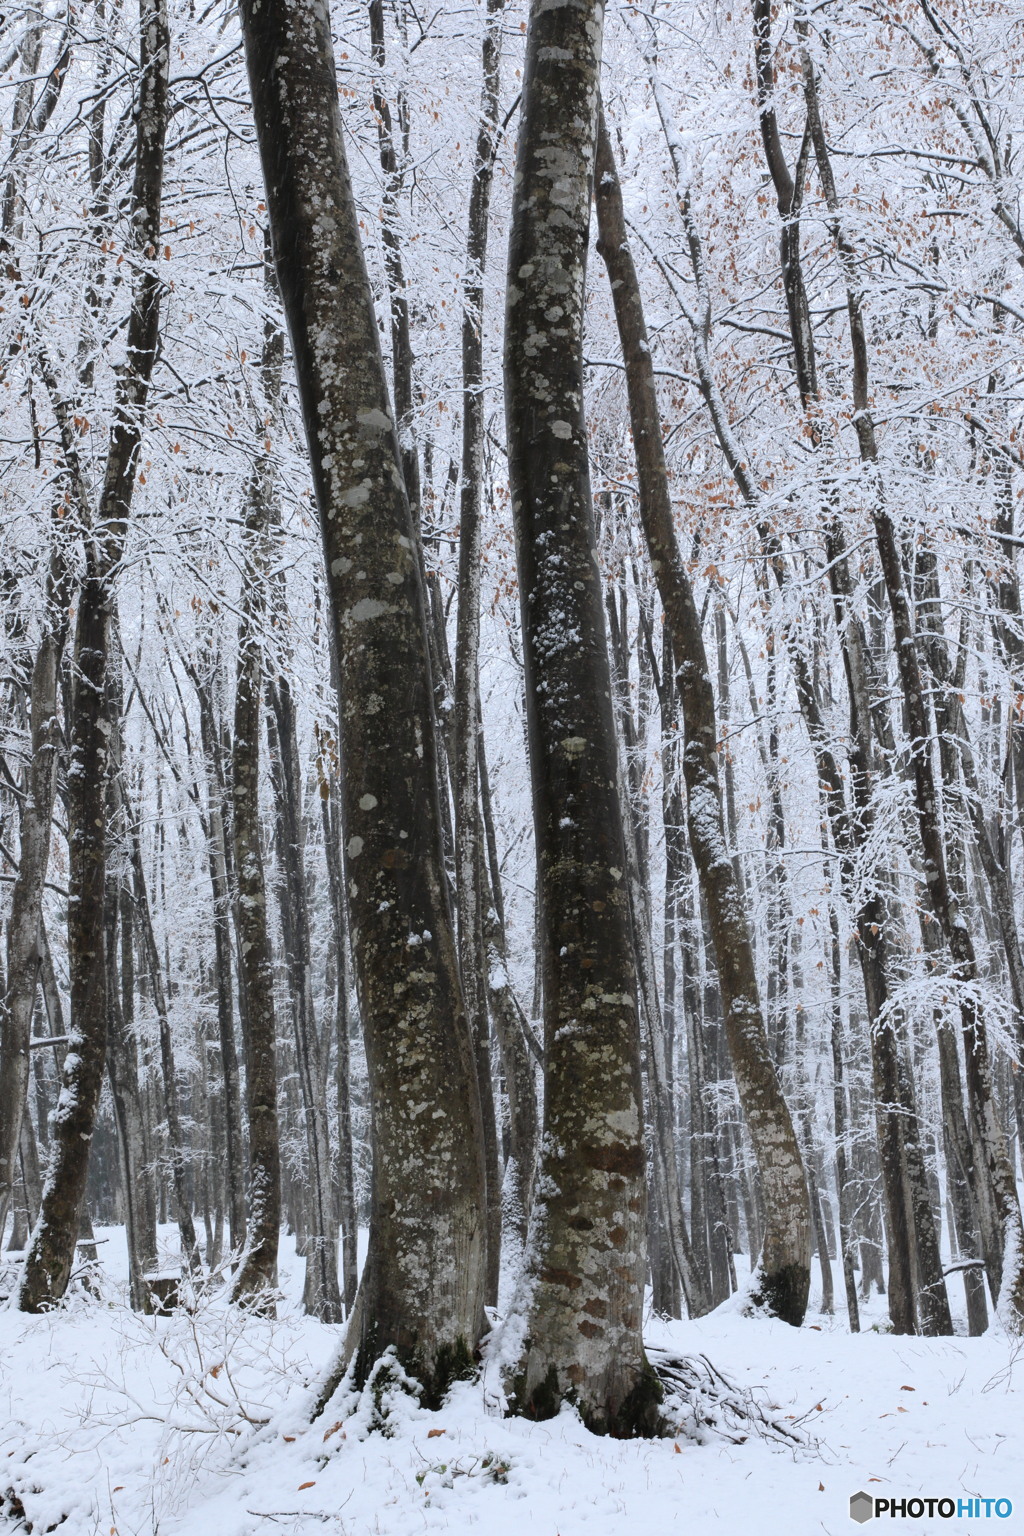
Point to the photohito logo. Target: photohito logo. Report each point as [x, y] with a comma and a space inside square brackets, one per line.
[864, 1507]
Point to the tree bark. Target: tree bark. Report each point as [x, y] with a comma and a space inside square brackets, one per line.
[422, 1287]
[256, 1278]
[26, 898]
[583, 1290]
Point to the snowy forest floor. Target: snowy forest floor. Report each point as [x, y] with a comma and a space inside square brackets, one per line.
[117, 1425]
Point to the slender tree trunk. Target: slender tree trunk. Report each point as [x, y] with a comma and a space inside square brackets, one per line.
[343, 1072]
[218, 817]
[321, 1295]
[158, 993]
[26, 898]
[49, 1261]
[423, 1285]
[515, 1041]
[783, 1275]
[256, 1277]
[469, 852]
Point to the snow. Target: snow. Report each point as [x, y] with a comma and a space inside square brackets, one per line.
[195, 1426]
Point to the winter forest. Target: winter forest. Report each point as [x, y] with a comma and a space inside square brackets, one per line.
[511, 764]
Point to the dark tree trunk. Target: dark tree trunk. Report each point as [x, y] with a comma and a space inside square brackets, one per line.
[48, 1265]
[588, 1245]
[256, 1278]
[422, 1287]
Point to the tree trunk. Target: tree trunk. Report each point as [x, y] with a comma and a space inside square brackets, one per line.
[469, 852]
[256, 1277]
[343, 1083]
[422, 1287]
[783, 1275]
[26, 898]
[49, 1262]
[172, 1112]
[321, 1295]
[583, 1291]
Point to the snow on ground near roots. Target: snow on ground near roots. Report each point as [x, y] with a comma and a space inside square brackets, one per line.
[186, 1426]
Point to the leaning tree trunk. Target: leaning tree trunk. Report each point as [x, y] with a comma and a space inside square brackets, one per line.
[782, 1279]
[583, 1290]
[422, 1287]
[49, 1261]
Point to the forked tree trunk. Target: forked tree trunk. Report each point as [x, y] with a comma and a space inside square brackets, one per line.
[583, 1291]
[422, 1287]
[782, 1279]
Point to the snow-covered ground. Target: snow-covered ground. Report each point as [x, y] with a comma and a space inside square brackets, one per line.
[116, 1425]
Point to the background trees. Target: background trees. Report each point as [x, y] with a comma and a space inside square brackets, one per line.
[805, 475]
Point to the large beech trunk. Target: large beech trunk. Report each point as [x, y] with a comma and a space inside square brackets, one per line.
[782, 1280]
[583, 1288]
[422, 1287]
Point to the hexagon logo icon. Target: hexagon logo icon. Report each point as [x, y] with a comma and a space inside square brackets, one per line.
[862, 1507]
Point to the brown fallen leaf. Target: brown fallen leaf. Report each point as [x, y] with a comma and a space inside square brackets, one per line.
[821, 1487]
[908, 1389]
[432, 1434]
[289, 1438]
[677, 1447]
[307, 1485]
[118, 1489]
[818, 1408]
[333, 1429]
[874, 1479]
[902, 1410]
[814, 1328]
